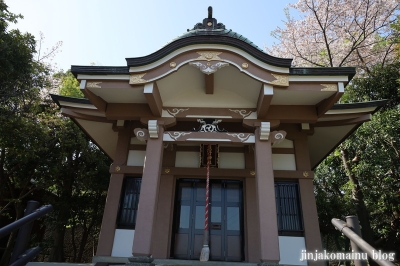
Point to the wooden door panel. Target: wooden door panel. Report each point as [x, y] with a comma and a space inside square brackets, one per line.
[181, 244]
[234, 248]
[197, 246]
[215, 247]
[225, 221]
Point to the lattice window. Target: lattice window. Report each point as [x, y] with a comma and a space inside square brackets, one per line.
[128, 205]
[288, 209]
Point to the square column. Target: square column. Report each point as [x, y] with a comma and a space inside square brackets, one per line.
[108, 224]
[308, 204]
[146, 215]
[265, 187]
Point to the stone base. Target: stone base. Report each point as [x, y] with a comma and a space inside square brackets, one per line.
[268, 264]
[140, 261]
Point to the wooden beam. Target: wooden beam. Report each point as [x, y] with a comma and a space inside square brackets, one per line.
[326, 104]
[209, 82]
[70, 113]
[292, 113]
[282, 113]
[127, 111]
[201, 172]
[124, 169]
[97, 101]
[264, 100]
[153, 98]
[345, 122]
[251, 123]
[164, 121]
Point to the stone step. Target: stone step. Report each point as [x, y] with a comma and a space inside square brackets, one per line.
[58, 264]
[158, 262]
[198, 263]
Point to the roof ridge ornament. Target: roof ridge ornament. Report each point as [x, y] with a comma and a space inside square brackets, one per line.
[209, 23]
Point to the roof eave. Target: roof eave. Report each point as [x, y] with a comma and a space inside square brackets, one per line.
[209, 39]
[99, 70]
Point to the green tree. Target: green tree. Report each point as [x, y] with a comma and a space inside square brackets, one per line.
[350, 33]
[365, 169]
[79, 177]
[69, 85]
[43, 156]
[381, 83]
[79, 183]
[24, 141]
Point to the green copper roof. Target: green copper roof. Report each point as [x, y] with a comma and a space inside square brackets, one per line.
[211, 27]
[217, 32]
[211, 32]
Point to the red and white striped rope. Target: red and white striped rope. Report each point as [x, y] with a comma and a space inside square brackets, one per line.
[207, 186]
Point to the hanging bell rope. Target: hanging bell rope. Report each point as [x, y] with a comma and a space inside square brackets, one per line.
[205, 251]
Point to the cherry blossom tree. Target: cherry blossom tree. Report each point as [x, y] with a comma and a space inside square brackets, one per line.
[338, 33]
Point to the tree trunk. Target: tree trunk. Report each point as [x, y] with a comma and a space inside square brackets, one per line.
[57, 251]
[394, 229]
[82, 246]
[347, 249]
[361, 209]
[75, 251]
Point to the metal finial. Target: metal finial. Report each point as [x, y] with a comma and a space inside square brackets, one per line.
[210, 12]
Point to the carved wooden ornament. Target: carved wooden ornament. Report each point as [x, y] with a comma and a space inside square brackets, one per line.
[142, 134]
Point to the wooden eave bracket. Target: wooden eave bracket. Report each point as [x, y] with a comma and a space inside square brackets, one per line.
[153, 98]
[265, 130]
[264, 100]
[154, 128]
[277, 137]
[307, 128]
[327, 104]
[166, 122]
[274, 137]
[97, 101]
[142, 134]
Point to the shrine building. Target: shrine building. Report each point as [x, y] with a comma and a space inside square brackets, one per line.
[269, 125]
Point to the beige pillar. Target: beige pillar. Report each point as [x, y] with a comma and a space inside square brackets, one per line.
[265, 187]
[108, 224]
[310, 216]
[146, 216]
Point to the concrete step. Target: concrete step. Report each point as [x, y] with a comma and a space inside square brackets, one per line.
[115, 261]
[198, 263]
[166, 262]
[158, 262]
[58, 264]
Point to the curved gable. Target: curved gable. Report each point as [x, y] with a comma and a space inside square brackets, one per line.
[209, 59]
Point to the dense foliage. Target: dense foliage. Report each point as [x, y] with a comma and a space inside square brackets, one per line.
[44, 156]
[361, 177]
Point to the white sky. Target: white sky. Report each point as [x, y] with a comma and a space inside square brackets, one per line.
[105, 32]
